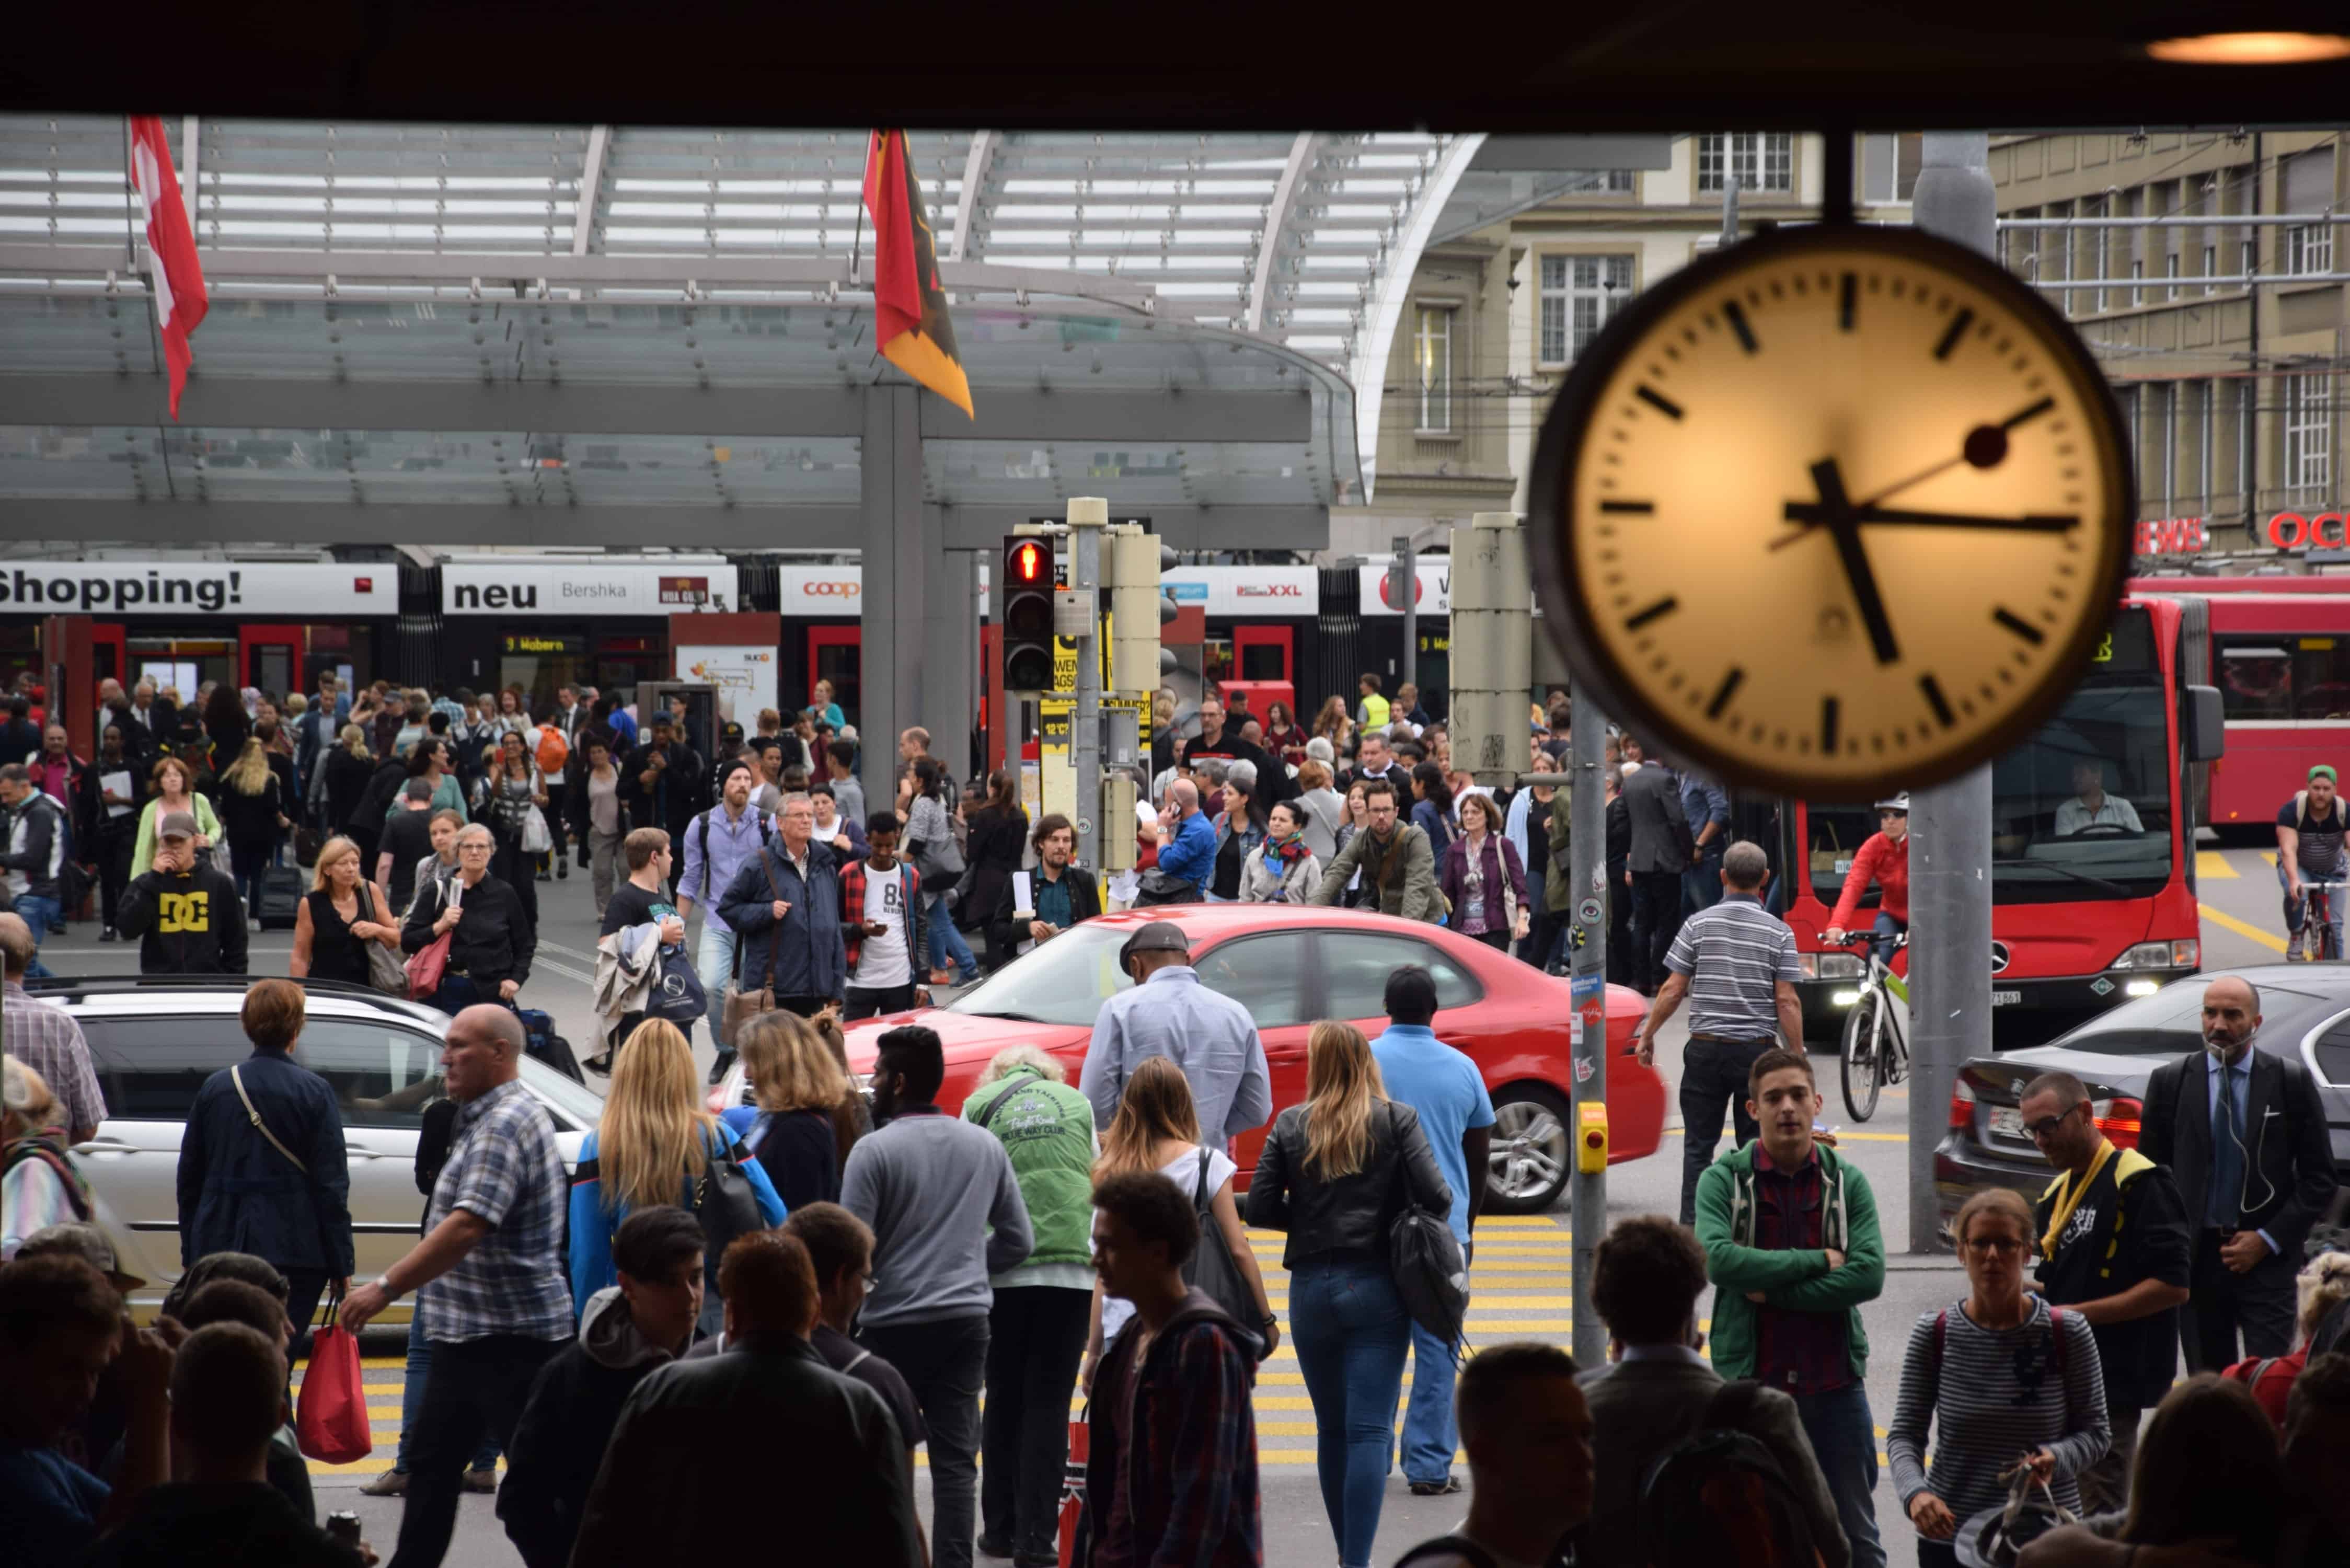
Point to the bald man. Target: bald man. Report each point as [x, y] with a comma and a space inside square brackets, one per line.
[2243, 1132]
[492, 1298]
[1187, 840]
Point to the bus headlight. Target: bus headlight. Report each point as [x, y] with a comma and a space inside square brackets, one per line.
[1844, 998]
[2161, 955]
[2140, 988]
[1842, 966]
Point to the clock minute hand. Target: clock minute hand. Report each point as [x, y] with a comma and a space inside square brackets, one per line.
[2051, 524]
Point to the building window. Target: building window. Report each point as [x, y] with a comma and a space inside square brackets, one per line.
[2170, 270]
[2248, 261]
[2071, 297]
[1760, 159]
[1580, 295]
[2211, 267]
[2137, 270]
[1432, 353]
[2098, 250]
[2308, 435]
[2309, 248]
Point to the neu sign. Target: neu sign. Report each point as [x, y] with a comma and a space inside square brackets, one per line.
[2327, 530]
[2170, 536]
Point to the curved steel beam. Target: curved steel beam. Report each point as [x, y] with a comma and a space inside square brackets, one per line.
[974, 180]
[1276, 221]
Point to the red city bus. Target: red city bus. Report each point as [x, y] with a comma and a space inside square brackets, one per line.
[2280, 647]
[2084, 915]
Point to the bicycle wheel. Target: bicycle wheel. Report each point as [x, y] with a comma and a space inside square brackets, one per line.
[1863, 1040]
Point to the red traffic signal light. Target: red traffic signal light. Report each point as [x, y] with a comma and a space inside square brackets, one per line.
[1028, 563]
[1025, 605]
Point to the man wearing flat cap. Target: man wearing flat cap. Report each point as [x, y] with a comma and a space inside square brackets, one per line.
[184, 911]
[1170, 1013]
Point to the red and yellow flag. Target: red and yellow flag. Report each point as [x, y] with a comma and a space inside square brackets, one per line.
[909, 307]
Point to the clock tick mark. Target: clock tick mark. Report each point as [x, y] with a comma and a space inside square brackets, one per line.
[1936, 700]
[2018, 625]
[1828, 715]
[1723, 692]
[1736, 314]
[1657, 400]
[1657, 611]
[1640, 508]
[1846, 298]
[1956, 330]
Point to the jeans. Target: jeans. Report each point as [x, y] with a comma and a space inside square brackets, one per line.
[303, 1288]
[509, 862]
[1882, 934]
[1036, 1337]
[1701, 882]
[2295, 908]
[871, 1002]
[1655, 919]
[412, 1401]
[251, 857]
[1843, 1438]
[482, 1388]
[714, 960]
[38, 913]
[1431, 1437]
[114, 847]
[946, 941]
[944, 1363]
[1713, 1073]
[601, 850]
[1351, 1333]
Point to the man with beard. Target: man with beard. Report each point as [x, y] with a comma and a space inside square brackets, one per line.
[663, 782]
[1060, 894]
[947, 1214]
[2245, 1135]
[1399, 867]
[1217, 741]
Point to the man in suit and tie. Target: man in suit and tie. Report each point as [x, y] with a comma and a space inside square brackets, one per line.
[1660, 854]
[2243, 1132]
[1648, 1276]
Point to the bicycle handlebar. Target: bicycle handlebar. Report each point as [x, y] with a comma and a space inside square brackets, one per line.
[1901, 938]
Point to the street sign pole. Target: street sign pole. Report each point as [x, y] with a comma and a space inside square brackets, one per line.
[1587, 967]
[1088, 516]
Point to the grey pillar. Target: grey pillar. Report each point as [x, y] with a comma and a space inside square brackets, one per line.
[1587, 859]
[1949, 825]
[898, 569]
[948, 699]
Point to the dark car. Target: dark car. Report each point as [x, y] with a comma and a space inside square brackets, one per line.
[2305, 1012]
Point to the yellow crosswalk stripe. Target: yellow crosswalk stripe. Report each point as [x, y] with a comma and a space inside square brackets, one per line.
[2210, 864]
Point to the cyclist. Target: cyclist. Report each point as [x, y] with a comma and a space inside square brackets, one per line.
[1884, 860]
[2310, 829]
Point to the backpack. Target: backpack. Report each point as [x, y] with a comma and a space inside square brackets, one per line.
[554, 751]
[1720, 1495]
[702, 825]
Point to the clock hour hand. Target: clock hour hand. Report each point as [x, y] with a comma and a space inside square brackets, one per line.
[1836, 517]
[2026, 524]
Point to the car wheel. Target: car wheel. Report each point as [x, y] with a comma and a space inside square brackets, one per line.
[1528, 1165]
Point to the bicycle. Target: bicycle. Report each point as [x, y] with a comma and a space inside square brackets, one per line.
[2317, 912]
[1876, 1031]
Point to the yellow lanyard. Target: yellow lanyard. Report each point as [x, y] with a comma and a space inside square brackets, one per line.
[2072, 1199]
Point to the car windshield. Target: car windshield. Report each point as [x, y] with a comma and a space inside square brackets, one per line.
[2170, 1021]
[1063, 982]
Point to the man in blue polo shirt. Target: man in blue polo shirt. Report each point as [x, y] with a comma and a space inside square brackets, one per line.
[1448, 1091]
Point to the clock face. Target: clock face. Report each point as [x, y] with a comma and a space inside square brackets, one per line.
[1838, 511]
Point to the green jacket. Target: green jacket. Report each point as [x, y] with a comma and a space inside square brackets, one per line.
[1412, 895]
[1048, 1130]
[1558, 888]
[1798, 1282]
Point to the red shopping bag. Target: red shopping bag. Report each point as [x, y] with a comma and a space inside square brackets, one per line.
[425, 967]
[1074, 1552]
[331, 1418]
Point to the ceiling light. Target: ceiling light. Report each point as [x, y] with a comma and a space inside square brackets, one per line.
[2250, 48]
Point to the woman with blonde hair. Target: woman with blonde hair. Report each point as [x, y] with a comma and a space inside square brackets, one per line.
[252, 809]
[798, 1088]
[339, 917]
[1158, 1128]
[42, 1185]
[655, 1144]
[1335, 1174]
[174, 782]
[2321, 1289]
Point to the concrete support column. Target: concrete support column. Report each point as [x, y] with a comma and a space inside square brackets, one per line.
[899, 565]
[949, 642]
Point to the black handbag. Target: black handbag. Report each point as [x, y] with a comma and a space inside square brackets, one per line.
[727, 1207]
[1156, 887]
[1213, 1270]
[1430, 1268]
[676, 992]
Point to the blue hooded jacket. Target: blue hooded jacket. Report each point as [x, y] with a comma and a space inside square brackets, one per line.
[809, 957]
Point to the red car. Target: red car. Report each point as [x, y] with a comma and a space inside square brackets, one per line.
[1290, 966]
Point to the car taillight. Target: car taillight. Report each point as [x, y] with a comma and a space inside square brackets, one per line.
[1962, 1106]
[2121, 1118]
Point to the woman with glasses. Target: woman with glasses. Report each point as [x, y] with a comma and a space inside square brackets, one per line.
[2004, 1379]
[1884, 860]
[491, 940]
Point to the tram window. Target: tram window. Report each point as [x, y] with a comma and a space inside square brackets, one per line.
[2255, 678]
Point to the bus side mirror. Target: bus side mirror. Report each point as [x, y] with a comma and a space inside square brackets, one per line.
[2205, 735]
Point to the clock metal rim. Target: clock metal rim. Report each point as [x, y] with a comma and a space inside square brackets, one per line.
[1563, 439]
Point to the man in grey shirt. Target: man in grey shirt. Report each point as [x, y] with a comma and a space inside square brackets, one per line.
[1170, 1013]
[946, 1213]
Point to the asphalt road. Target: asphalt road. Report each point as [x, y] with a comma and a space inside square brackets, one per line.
[1521, 1282]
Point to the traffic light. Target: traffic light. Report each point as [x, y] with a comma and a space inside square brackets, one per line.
[1027, 612]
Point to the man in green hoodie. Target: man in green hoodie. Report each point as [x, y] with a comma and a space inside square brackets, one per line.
[1792, 1246]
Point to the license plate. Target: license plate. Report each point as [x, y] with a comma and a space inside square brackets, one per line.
[2007, 1121]
[2006, 998]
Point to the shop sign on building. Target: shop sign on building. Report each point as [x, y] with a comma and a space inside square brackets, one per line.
[584, 588]
[2322, 531]
[1435, 588]
[2170, 536]
[1246, 592]
[108, 590]
[744, 676]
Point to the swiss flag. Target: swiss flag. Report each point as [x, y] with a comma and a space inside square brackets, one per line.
[179, 278]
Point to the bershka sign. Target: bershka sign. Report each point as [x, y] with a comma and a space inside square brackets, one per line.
[2170, 536]
[1270, 592]
[302, 590]
[1435, 588]
[584, 588]
[2325, 531]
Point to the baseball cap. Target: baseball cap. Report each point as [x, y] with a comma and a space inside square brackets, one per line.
[2322, 768]
[730, 730]
[176, 824]
[79, 1238]
[1157, 937]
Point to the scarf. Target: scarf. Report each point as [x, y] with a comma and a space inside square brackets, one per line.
[2070, 1199]
[1289, 850]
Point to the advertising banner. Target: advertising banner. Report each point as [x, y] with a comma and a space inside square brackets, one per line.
[298, 590]
[1249, 591]
[1435, 588]
[745, 679]
[585, 587]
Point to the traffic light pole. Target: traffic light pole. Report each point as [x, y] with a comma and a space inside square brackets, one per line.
[1088, 516]
[1587, 966]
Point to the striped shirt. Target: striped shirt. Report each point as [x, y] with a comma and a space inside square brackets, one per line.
[45, 1037]
[504, 1167]
[1994, 1396]
[1733, 955]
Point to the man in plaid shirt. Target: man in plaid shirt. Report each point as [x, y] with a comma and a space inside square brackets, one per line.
[45, 1037]
[494, 1302]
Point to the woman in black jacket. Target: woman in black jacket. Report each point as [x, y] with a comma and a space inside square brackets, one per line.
[1335, 1174]
[995, 844]
[491, 942]
[253, 813]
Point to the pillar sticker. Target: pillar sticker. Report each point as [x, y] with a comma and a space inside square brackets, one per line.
[1589, 993]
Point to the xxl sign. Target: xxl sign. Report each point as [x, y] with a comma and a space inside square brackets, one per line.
[300, 590]
[2325, 531]
[585, 587]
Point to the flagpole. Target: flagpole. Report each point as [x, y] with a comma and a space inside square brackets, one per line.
[130, 184]
[857, 246]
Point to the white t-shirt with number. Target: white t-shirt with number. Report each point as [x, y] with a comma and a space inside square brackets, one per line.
[882, 961]
[1183, 1170]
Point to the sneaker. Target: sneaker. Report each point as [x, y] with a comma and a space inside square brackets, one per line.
[2294, 954]
[482, 1480]
[391, 1483]
[109, 935]
[718, 1071]
[988, 1546]
[599, 1064]
[562, 867]
[941, 977]
[1444, 1488]
[544, 878]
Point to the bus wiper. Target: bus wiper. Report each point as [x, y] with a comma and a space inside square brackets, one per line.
[2110, 889]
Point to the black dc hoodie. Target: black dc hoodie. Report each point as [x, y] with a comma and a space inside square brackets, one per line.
[190, 922]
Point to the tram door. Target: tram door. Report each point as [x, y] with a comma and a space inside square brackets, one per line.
[269, 656]
[835, 653]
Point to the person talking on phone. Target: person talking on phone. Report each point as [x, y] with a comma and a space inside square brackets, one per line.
[2245, 1134]
[491, 940]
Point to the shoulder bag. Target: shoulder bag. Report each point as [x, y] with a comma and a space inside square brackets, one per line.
[429, 963]
[739, 1006]
[1430, 1271]
[236, 1076]
[1214, 1270]
[386, 973]
[727, 1207]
